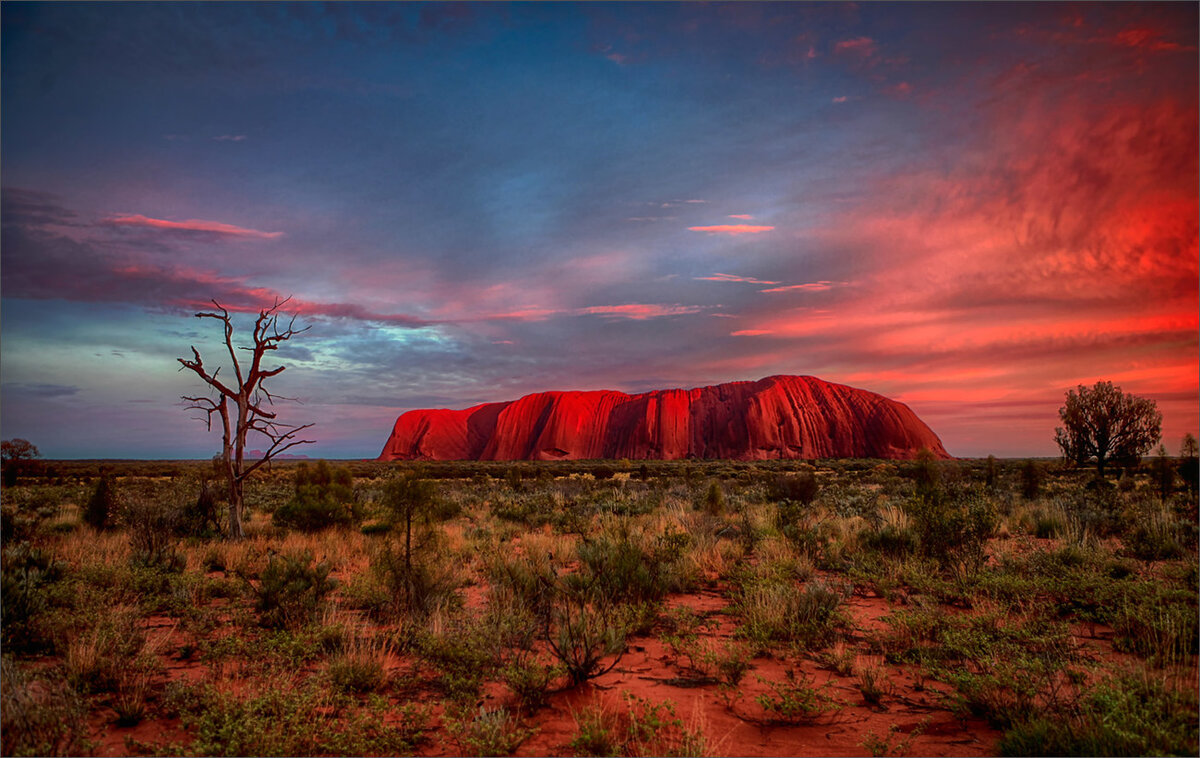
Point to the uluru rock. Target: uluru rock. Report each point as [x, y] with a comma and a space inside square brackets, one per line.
[776, 417]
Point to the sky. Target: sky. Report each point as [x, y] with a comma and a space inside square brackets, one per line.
[969, 208]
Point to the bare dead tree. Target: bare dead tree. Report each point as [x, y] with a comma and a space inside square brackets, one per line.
[240, 407]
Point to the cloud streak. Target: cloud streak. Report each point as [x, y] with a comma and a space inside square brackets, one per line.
[192, 226]
[732, 229]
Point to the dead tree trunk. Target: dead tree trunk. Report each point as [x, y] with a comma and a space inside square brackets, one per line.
[246, 399]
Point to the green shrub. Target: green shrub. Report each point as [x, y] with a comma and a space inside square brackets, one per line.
[41, 716]
[286, 720]
[1126, 715]
[714, 499]
[799, 488]
[794, 701]
[774, 611]
[102, 505]
[644, 729]
[487, 732]
[634, 569]
[952, 528]
[27, 575]
[323, 497]
[291, 590]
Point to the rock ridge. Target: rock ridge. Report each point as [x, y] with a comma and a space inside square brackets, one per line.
[772, 418]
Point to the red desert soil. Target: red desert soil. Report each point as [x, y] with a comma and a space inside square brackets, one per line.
[650, 670]
[773, 418]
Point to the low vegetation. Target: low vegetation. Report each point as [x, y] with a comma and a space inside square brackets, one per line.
[471, 608]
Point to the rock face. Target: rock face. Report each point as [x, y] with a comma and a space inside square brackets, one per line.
[776, 417]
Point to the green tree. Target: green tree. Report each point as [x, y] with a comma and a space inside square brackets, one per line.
[1189, 464]
[408, 499]
[16, 455]
[1104, 424]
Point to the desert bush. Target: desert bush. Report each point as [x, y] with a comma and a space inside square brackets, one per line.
[99, 659]
[628, 568]
[795, 700]
[801, 489]
[27, 576]
[484, 732]
[358, 666]
[154, 528]
[1031, 479]
[418, 582]
[323, 497]
[1124, 715]
[952, 528]
[40, 715]
[714, 499]
[581, 634]
[291, 590]
[774, 611]
[529, 680]
[307, 720]
[1155, 534]
[644, 728]
[102, 504]
[1156, 623]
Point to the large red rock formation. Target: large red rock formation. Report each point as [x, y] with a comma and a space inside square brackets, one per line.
[776, 417]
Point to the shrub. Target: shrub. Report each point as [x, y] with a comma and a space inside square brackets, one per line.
[291, 590]
[629, 569]
[40, 716]
[645, 728]
[1031, 480]
[488, 732]
[324, 497]
[288, 720]
[581, 634]
[774, 611]
[714, 499]
[952, 529]
[530, 680]
[799, 488]
[153, 532]
[794, 700]
[102, 505]
[358, 665]
[418, 583]
[1125, 715]
[25, 579]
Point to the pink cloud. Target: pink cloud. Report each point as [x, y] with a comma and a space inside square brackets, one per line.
[742, 216]
[864, 46]
[750, 333]
[638, 311]
[731, 229]
[840, 99]
[807, 287]
[732, 278]
[192, 225]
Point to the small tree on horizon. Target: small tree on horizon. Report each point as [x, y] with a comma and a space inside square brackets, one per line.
[16, 455]
[1103, 424]
[240, 407]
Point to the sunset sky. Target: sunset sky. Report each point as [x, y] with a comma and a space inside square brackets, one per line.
[969, 208]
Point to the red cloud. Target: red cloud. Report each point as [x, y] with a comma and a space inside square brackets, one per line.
[731, 229]
[732, 278]
[638, 311]
[192, 225]
[807, 287]
[750, 333]
[864, 46]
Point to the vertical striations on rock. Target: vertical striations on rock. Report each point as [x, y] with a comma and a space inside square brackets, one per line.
[776, 417]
